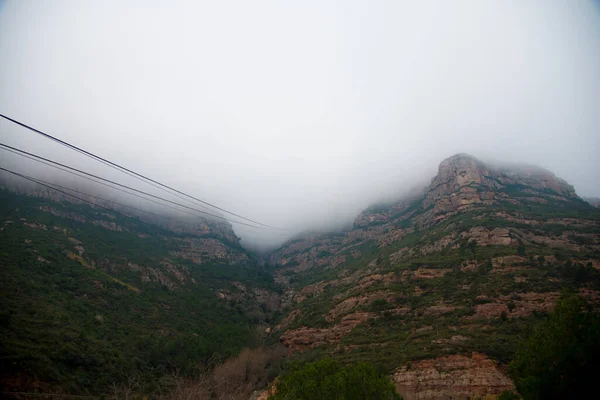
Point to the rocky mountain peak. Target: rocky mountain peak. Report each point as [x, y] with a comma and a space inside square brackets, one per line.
[483, 248]
[454, 174]
[463, 169]
[463, 182]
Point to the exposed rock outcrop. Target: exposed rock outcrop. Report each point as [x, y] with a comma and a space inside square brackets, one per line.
[463, 181]
[200, 250]
[304, 338]
[451, 377]
[454, 184]
[482, 247]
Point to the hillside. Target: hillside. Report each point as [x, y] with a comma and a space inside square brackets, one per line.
[91, 298]
[438, 289]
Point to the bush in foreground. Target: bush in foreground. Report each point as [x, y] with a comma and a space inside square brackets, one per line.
[329, 380]
[561, 359]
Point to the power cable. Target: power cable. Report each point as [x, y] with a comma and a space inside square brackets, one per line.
[54, 185]
[72, 195]
[100, 182]
[128, 171]
[23, 152]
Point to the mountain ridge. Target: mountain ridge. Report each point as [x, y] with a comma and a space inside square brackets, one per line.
[113, 298]
[443, 278]
[435, 288]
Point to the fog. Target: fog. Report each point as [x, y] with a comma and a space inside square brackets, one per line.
[300, 114]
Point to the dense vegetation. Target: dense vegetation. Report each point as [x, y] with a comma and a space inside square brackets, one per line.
[329, 380]
[91, 299]
[82, 321]
[462, 289]
[442, 287]
[562, 357]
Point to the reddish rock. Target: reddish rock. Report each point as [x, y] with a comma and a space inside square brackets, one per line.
[305, 338]
[490, 310]
[451, 377]
[430, 273]
[349, 304]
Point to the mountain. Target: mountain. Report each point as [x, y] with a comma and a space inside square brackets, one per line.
[439, 287]
[436, 289]
[92, 298]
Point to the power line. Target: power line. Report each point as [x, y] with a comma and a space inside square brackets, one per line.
[54, 185]
[72, 195]
[100, 182]
[47, 161]
[128, 171]
[23, 152]
[37, 180]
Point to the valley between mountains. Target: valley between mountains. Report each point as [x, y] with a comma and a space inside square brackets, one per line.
[436, 289]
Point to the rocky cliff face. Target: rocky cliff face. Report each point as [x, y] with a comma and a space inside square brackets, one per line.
[452, 377]
[458, 179]
[464, 182]
[419, 285]
[462, 171]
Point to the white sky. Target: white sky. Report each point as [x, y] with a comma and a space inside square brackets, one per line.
[299, 114]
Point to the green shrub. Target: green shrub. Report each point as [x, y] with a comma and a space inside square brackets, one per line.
[379, 305]
[329, 380]
[561, 358]
[508, 395]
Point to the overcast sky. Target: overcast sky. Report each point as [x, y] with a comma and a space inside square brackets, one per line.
[300, 113]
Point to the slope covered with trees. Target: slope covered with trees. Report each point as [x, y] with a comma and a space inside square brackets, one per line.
[439, 292]
[91, 299]
[438, 289]
[560, 358]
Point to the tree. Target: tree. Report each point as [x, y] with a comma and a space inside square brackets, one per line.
[326, 379]
[521, 249]
[561, 358]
